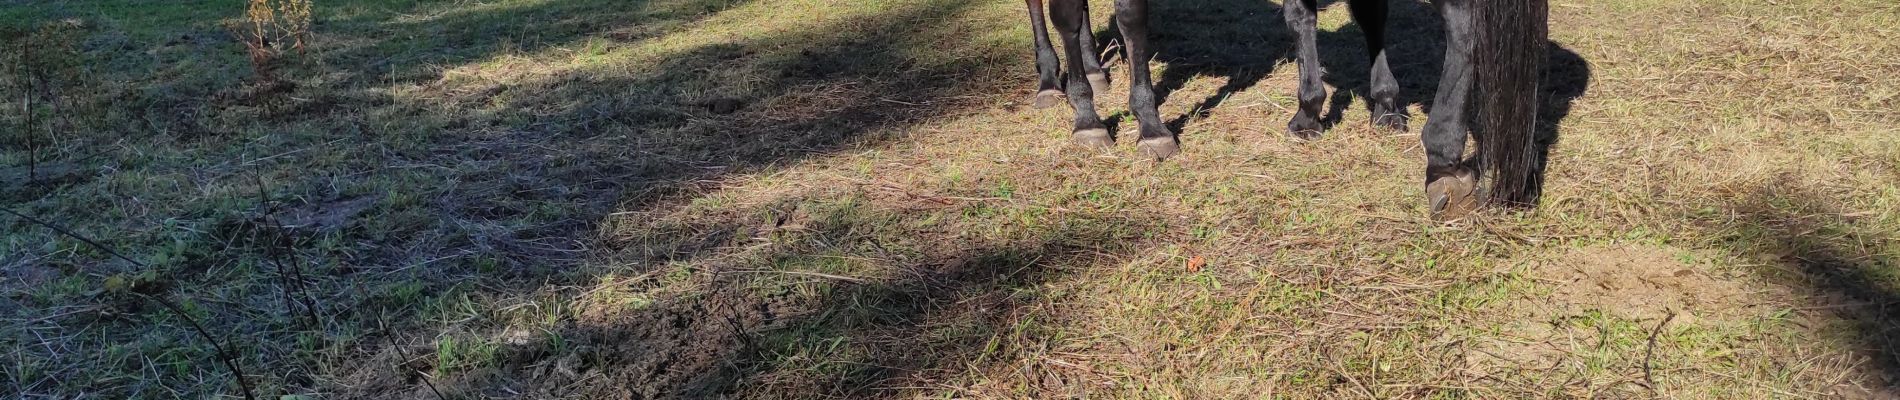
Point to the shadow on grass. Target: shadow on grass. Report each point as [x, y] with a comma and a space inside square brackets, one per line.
[606, 143]
[1242, 41]
[1810, 242]
[751, 336]
[1238, 40]
[460, 188]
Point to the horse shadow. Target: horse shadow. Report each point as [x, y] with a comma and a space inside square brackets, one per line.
[1827, 250]
[1237, 40]
[1242, 41]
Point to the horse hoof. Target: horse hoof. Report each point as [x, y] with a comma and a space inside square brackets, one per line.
[1452, 197]
[1392, 122]
[1158, 148]
[1048, 98]
[1303, 128]
[1098, 83]
[1094, 138]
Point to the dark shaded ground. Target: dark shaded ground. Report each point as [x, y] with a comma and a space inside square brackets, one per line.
[721, 341]
[940, 314]
[1810, 241]
[517, 176]
[1240, 41]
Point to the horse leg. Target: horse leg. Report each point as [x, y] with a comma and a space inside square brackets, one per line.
[1450, 183]
[1371, 16]
[1048, 67]
[1092, 56]
[1303, 17]
[1156, 140]
[1070, 17]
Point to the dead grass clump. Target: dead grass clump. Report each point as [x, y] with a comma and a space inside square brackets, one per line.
[270, 29]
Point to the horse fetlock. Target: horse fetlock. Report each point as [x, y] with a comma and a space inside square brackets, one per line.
[1312, 98]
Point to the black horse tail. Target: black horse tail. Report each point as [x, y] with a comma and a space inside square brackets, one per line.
[1509, 55]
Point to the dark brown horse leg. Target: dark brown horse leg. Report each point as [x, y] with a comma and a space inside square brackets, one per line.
[1371, 16]
[1302, 16]
[1048, 67]
[1092, 56]
[1156, 140]
[1451, 184]
[1070, 17]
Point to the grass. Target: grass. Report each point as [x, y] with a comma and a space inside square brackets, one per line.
[693, 198]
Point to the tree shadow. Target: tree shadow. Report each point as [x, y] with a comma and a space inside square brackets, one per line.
[617, 142]
[634, 143]
[497, 189]
[746, 337]
[1810, 242]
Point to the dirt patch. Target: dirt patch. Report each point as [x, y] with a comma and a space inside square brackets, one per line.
[1639, 313]
[690, 347]
[684, 347]
[687, 349]
[1641, 283]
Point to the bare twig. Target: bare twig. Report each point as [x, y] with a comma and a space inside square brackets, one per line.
[1651, 351]
[289, 275]
[26, 127]
[803, 273]
[230, 360]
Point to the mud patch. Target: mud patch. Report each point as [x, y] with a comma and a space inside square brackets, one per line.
[688, 347]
